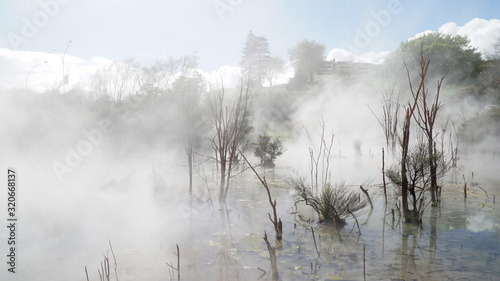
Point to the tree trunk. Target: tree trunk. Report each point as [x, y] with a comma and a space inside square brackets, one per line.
[404, 190]
[432, 168]
[404, 154]
[190, 169]
[222, 195]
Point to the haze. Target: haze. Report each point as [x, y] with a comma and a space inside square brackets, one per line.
[109, 113]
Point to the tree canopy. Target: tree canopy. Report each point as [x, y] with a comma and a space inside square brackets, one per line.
[307, 57]
[447, 53]
[255, 59]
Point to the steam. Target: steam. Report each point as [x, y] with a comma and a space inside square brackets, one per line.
[87, 177]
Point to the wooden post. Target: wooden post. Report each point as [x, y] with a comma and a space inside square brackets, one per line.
[383, 175]
[465, 187]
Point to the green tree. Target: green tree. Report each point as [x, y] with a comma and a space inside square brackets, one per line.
[490, 78]
[447, 52]
[307, 58]
[268, 150]
[255, 59]
[275, 66]
[155, 80]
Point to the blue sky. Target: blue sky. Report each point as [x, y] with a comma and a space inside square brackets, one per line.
[152, 29]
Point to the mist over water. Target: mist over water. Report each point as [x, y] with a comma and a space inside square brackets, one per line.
[100, 144]
[132, 192]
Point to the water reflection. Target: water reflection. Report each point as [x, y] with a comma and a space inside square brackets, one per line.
[458, 239]
[443, 248]
[228, 265]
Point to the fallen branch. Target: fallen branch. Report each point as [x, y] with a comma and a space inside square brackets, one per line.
[263, 273]
[314, 239]
[484, 191]
[365, 191]
[278, 225]
[357, 223]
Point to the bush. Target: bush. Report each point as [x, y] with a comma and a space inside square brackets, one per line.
[334, 203]
[267, 151]
[418, 175]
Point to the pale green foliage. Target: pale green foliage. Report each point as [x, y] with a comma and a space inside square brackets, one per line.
[307, 58]
[333, 203]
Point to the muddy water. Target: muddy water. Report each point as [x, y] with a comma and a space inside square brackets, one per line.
[460, 240]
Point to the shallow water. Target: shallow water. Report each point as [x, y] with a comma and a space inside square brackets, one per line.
[460, 240]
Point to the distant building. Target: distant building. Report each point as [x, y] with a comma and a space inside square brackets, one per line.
[350, 69]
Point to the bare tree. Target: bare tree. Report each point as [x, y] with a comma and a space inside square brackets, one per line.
[156, 79]
[418, 165]
[231, 125]
[320, 158]
[114, 81]
[188, 92]
[426, 119]
[389, 120]
[409, 111]
[333, 204]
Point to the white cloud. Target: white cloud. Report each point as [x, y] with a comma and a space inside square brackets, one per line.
[43, 71]
[229, 75]
[420, 34]
[482, 33]
[15, 65]
[368, 57]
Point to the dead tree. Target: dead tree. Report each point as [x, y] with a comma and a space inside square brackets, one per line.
[409, 110]
[321, 161]
[104, 272]
[178, 268]
[188, 91]
[272, 258]
[426, 118]
[231, 127]
[389, 120]
[331, 203]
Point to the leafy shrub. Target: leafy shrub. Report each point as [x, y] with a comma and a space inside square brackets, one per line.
[267, 151]
[333, 203]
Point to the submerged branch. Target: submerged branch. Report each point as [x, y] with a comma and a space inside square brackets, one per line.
[272, 258]
[278, 226]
